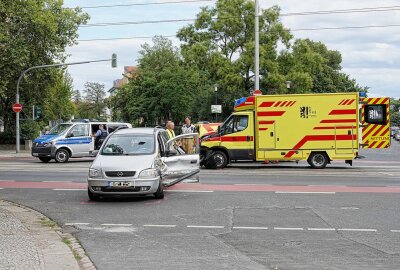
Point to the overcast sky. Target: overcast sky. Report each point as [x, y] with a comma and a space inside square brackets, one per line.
[370, 55]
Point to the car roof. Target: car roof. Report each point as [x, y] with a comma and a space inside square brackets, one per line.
[138, 131]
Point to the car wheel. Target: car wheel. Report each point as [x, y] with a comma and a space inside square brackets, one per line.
[45, 159]
[218, 160]
[160, 192]
[62, 156]
[92, 196]
[318, 160]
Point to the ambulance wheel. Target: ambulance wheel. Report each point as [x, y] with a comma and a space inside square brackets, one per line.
[318, 160]
[218, 160]
[45, 159]
[62, 156]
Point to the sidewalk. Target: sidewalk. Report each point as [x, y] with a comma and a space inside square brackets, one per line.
[13, 154]
[29, 240]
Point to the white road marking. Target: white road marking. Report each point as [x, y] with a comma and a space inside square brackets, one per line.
[1, 188]
[56, 181]
[190, 191]
[205, 227]
[250, 228]
[304, 192]
[159, 225]
[321, 229]
[395, 231]
[68, 189]
[385, 173]
[76, 223]
[7, 180]
[112, 224]
[357, 230]
[288, 229]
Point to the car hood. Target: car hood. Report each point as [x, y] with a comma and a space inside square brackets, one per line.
[45, 138]
[123, 163]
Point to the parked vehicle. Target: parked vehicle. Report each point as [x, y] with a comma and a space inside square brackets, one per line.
[141, 161]
[393, 131]
[318, 128]
[397, 135]
[70, 140]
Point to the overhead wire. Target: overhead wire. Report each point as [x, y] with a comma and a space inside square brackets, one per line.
[145, 4]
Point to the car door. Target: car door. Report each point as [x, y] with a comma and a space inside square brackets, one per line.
[79, 140]
[179, 165]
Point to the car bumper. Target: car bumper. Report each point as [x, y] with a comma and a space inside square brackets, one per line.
[42, 152]
[138, 186]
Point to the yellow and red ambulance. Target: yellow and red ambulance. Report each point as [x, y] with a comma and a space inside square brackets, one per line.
[205, 129]
[318, 128]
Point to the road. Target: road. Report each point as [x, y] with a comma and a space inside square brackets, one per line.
[284, 216]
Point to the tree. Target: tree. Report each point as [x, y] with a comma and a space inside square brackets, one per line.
[94, 103]
[165, 88]
[33, 32]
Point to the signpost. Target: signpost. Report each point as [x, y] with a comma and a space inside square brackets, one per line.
[17, 107]
[216, 108]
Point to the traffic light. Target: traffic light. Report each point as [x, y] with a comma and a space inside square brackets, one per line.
[114, 60]
[37, 112]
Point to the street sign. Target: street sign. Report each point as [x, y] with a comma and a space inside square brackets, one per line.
[17, 107]
[216, 108]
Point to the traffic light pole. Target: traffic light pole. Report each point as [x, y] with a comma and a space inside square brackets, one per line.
[17, 127]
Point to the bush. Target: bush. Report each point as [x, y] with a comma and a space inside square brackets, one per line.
[30, 129]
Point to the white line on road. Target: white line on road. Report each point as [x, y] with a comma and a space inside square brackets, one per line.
[190, 191]
[68, 189]
[395, 231]
[357, 230]
[304, 192]
[119, 225]
[385, 173]
[7, 180]
[1, 188]
[250, 228]
[205, 227]
[159, 225]
[76, 223]
[56, 181]
[321, 229]
[288, 229]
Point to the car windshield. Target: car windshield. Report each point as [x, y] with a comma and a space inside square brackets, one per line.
[59, 129]
[129, 144]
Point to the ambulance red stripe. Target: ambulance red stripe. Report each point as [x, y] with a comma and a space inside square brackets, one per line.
[278, 103]
[343, 127]
[266, 122]
[351, 102]
[267, 104]
[276, 113]
[330, 121]
[342, 112]
[283, 104]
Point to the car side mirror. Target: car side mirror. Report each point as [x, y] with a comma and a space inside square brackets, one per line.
[171, 153]
[95, 152]
[219, 130]
[70, 135]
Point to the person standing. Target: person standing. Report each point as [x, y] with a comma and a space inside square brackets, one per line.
[170, 129]
[100, 136]
[187, 142]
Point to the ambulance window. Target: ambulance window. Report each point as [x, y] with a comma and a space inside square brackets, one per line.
[240, 123]
[375, 114]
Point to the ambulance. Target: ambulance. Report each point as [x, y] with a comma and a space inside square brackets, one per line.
[318, 128]
[206, 129]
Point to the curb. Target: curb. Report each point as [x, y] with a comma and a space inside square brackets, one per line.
[68, 239]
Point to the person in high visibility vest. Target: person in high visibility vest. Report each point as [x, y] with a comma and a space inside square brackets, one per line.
[170, 129]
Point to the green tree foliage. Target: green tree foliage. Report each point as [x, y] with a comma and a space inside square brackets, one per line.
[93, 103]
[395, 112]
[165, 88]
[33, 32]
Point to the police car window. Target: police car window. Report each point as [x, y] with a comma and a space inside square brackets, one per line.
[79, 131]
[375, 114]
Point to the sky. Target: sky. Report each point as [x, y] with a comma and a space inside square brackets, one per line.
[370, 55]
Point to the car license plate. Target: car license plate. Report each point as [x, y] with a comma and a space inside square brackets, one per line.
[35, 154]
[119, 184]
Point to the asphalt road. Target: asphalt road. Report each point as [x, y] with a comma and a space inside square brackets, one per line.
[284, 216]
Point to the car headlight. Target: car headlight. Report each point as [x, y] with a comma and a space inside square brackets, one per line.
[148, 173]
[48, 144]
[94, 173]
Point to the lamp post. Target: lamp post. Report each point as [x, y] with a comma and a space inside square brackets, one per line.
[216, 99]
[256, 49]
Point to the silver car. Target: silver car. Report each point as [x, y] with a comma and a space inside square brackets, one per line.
[141, 161]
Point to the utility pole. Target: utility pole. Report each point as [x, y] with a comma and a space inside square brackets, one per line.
[257, 49]
[114, 64]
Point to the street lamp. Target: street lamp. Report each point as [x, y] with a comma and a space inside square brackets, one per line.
[216, 99]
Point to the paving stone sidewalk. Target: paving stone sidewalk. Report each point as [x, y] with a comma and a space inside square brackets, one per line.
[29, 240]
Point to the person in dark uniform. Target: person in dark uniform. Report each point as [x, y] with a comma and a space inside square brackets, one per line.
[100, 136]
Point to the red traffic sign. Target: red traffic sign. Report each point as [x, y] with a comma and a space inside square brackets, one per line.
[17, 107]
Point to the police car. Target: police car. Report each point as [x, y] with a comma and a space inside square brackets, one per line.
[70, 140]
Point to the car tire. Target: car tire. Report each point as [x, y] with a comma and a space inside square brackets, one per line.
[218, 160]
[92, 196]
[62, 156]
[160, 192]
[318, 160]
[45, 159]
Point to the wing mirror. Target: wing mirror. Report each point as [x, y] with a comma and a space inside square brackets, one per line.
[95, 153]
[171, 153]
